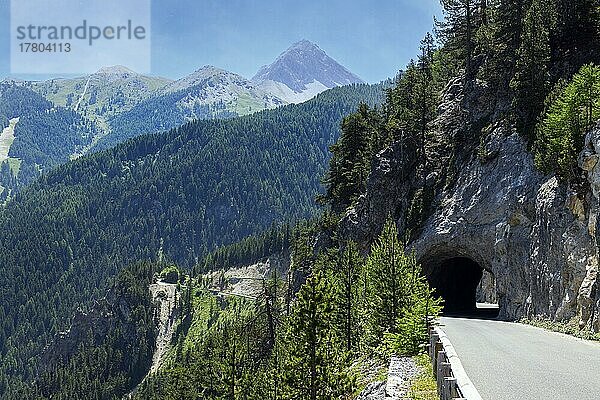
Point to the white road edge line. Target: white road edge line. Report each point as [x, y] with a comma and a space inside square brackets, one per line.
[468, 390]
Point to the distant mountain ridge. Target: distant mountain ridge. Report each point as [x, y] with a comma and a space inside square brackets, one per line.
[298, 74]
[107, 92]
[208, 93]
[115, 103]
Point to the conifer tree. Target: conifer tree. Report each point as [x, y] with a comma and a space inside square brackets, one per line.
[402, 105]
[386, 269]
[575, 39]
[532, 79]
[349, 273]
[505, 31]
[572, 110]
[426, 91]
[399, 297]
[313, 366]
[351, 160]
[462, 19]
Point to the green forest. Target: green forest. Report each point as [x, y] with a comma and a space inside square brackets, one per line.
[158, 114]
[274, 347]
[181, 194]
[45, 136]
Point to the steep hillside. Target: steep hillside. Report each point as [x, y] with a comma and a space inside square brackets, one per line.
[180, 194]
[40, 136]
[110, 345]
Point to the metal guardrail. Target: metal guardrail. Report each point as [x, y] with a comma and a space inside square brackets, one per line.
[452, 380]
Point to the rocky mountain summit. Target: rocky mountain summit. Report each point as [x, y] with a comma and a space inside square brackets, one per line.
[301, 72]
[535, 236]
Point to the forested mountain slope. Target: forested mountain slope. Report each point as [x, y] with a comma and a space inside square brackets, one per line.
[181, 193]
[43, 136]
[70, 117]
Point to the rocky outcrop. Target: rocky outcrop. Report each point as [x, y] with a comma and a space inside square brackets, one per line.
[401, 373]
[248, 280]
[165, 297]
[90, 327]
[534, 236]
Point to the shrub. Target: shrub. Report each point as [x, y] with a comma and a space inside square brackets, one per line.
[170, 274]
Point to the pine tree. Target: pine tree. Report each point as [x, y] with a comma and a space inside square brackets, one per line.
[313, 365]
[575, 39]
[349, 296]
[458, 30]
[269, 306]
[350, 164]
[399, 298]
[419, 306]
[425, 92]
[505, 31]
[572, 109]
[386, 269]
[403, 112]
[532, 79]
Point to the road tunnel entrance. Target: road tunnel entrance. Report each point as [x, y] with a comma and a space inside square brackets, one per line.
[457, 280]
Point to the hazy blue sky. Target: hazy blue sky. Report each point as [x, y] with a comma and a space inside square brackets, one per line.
[372, 38]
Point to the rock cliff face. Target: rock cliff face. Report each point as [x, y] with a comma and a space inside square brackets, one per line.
[248, 280]
[165, 297]
[117, 317]
[90, 328]
[536, 240]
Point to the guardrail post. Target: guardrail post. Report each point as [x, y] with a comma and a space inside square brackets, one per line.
[440, 371]
[441, 358]
[444, 371]
[433, 339]
[448, 388]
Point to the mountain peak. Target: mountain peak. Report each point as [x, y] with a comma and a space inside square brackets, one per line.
[212, 72]
[207, 75]
[209, 67]
[115, 70]
[303, 44]
[304, 65]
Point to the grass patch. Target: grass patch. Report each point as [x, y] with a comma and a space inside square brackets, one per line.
[15, 165]
[569, 328]
[206, 309]
[424, 387]
[246, 104]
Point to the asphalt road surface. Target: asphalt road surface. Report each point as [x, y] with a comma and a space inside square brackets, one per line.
[510, 361]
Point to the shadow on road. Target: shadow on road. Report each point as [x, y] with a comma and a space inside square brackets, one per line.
[483, 311]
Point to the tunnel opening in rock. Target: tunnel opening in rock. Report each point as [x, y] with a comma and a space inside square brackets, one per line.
[462, 283]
